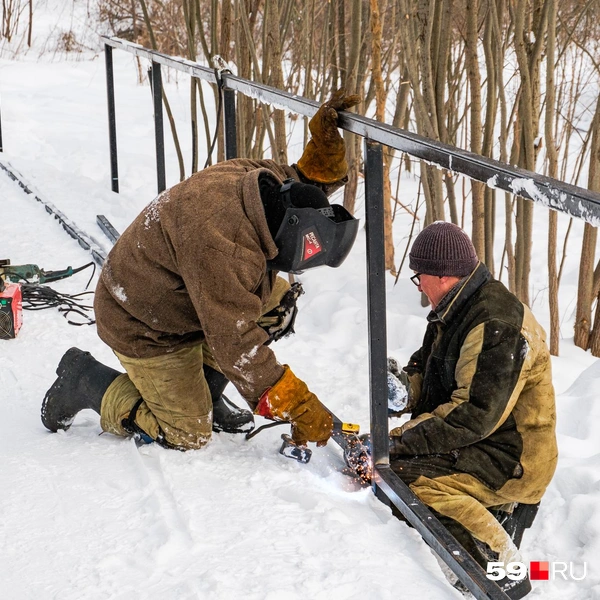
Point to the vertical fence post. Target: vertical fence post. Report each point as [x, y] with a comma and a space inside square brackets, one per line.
[112, 118]
[158, 126]
[229, 123]
[376, 302]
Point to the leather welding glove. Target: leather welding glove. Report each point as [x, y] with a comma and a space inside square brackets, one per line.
[324, 158]
[291, 400]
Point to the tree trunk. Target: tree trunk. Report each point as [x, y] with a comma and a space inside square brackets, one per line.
[552, 156]
[273, 75]
[352, 87]
[594, 185]
[474, 77]
[416, 38]
[529, 59]
[381, 96]
[583, 315]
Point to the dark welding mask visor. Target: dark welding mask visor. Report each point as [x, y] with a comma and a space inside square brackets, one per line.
[312, 237]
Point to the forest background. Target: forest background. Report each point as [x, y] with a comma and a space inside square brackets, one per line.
[514, 80]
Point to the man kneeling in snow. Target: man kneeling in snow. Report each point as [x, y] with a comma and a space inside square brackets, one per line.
[188, 300]
[482, 428]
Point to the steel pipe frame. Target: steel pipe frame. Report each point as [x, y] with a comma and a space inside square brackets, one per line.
[567, 198]
[573, 200]
[230, 124]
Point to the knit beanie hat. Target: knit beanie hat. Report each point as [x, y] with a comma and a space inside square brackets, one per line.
[443, 249]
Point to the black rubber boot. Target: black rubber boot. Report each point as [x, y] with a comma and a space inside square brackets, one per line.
[81, 383]
[482, 554]
[518, 521]
[227, 416]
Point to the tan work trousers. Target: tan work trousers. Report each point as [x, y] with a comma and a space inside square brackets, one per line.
[177, 405]
[460, 497]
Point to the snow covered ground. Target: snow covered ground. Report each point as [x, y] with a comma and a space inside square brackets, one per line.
[89, 516]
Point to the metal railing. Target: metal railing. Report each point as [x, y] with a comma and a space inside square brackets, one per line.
[570, 199]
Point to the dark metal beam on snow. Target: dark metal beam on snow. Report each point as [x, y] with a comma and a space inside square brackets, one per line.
[87, 242]
[436, 535]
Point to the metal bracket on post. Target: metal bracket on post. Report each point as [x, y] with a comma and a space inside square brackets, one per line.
[376, 301]
[112, 118]
[157, 90]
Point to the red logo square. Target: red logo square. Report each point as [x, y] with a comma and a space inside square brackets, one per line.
[539, 570]
[312, 245]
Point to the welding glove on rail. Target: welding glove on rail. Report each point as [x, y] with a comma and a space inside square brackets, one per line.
[290, 400]
[324, 158]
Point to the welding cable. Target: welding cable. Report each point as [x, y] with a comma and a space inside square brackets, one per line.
[252, 433]
[42, 297]
[56, 275]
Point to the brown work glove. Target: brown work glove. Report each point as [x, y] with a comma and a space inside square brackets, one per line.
[291, 400]
[324, 158]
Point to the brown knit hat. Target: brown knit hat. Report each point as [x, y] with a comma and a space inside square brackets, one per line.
[443, 249]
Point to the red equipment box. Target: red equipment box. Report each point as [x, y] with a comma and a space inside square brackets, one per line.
[11, 313]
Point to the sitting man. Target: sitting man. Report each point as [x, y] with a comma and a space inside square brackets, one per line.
[184, 292]
[482, 429]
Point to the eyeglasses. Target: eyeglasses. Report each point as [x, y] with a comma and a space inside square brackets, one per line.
[416, 279]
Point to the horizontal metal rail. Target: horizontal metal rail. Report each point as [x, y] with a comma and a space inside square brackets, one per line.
[432, 531]
[573, 200]
[180, 64]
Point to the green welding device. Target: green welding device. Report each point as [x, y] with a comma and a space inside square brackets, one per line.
[21, 288]
[31, 273]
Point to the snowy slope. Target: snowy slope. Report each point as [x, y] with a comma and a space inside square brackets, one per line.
[89, 516]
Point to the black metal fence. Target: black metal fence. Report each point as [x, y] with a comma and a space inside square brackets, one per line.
[570, 199]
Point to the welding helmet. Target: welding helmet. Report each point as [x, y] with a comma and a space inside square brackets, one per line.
[310, 237]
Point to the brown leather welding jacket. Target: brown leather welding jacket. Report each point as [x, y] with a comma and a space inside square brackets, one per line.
[191, 268]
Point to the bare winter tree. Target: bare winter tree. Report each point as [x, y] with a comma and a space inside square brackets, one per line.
[464, 72]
